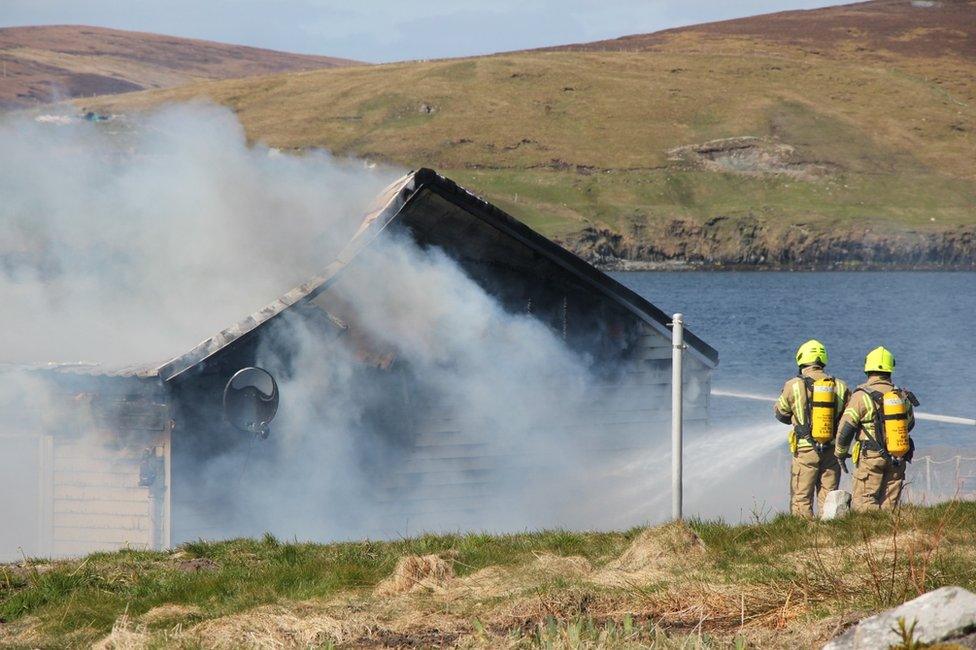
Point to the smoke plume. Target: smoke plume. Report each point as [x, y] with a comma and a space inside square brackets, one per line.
[130, 241]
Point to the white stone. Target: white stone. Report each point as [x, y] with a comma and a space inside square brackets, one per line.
[942, 614]
[837, 505]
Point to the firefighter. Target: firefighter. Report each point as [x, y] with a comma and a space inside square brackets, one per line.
[812, 403]
[877, 419]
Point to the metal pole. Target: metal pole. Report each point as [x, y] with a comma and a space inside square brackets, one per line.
[678, 347]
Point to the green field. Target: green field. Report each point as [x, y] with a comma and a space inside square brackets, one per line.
[782, 583]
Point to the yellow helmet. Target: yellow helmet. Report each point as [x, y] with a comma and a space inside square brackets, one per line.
[813, 351]
[880, 359]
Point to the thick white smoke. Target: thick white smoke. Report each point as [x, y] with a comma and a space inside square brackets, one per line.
[507, 381]
[130, 241]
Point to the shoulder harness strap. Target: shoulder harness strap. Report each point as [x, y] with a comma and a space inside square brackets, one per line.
[878, 442]
[805, 430]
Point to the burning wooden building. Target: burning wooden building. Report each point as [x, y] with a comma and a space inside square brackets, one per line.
[135, 456]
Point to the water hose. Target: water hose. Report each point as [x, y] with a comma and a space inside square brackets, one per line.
[947, 419]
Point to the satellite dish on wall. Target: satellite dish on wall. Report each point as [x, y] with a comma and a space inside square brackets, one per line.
[251, 400]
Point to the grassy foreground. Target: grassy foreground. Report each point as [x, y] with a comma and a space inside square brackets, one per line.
[786, 583]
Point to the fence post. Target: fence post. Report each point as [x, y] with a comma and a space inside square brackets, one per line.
[928, 476]
[678, 346]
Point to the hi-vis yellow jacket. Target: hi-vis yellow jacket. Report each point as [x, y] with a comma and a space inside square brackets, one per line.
[793, 399]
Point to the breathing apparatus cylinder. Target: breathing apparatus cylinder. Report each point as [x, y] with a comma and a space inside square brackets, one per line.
[823, 411]
[895, 418]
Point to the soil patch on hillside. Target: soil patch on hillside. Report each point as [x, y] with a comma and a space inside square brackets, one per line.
[750, 156]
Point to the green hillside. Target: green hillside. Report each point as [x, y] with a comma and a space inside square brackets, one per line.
[694, 144]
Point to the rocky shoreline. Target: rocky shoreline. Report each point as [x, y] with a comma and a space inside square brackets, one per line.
[679, 266]
[725, 243]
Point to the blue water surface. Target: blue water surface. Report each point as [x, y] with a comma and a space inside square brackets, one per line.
[756, 320]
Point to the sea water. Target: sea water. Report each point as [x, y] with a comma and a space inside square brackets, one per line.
[756, 320]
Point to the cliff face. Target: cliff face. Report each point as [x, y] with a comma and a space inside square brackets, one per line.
[746, 242]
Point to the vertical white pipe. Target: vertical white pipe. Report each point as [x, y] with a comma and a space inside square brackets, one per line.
[928, 476]
[677, 352]
[167, 541]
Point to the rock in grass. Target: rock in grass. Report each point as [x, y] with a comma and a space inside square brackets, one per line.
[940, 615]
[837, 505]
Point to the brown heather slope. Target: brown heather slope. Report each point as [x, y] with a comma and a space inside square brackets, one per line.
[833, 138]
[54, 62]
[878, 29]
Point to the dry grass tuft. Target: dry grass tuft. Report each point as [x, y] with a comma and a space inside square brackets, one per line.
[497, 581]
[656, 552]
[489, 582]
[126, 634]
[559, 604]
[23, 633]
[415, 573]
[572, 566]
[170, 614]
[278, 627]
[808, 634]
[661, 547]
